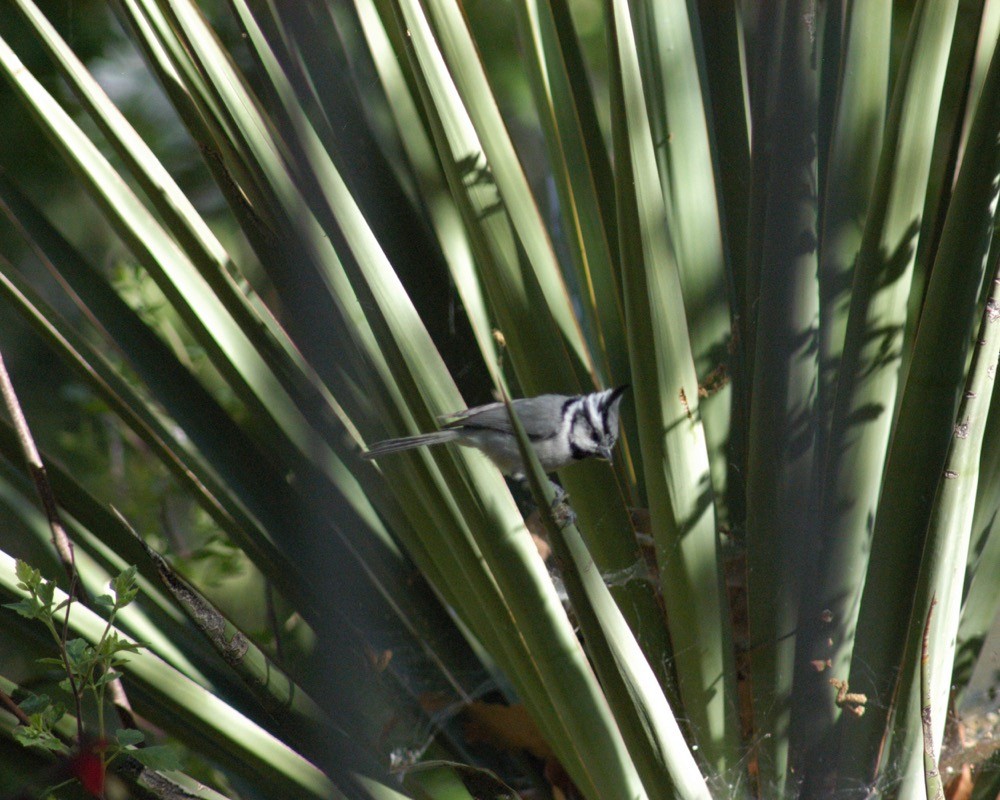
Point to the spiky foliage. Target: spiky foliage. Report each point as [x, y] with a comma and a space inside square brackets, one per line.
[779, 231]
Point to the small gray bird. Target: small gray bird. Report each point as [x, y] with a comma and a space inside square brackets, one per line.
[561, 428]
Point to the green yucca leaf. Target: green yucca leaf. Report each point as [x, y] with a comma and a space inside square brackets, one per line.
[578, 157]
[958, 102]
[211, 429]
[871, 378]
[979, 598]
[513, 291]
[437, 783]
[955, 286]
[276, 691]
[783, 298]
[506, 175]
[722, 58]
[942, 564]
[675, 458]
[442, 210]
[670, 52]
[850, 175]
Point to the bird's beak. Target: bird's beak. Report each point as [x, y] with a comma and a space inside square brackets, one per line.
[605, 453]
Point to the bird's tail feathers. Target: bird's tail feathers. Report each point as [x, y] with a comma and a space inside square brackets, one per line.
[409, 442]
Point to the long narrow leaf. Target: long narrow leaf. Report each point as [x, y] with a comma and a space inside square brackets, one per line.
[781, 502]
[855, 144]
[869, 375]
[675, 457]
[671, 51]
[943, 562]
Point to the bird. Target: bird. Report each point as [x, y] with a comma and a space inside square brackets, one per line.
[562, 429]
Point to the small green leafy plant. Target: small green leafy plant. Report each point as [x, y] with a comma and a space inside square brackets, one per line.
[90, 668]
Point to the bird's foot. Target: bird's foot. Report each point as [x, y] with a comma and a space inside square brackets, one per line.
[562, 512]
[559, 508]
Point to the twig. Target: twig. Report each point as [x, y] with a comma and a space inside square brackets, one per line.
[60, 541]
[932, 778]
[62, 544]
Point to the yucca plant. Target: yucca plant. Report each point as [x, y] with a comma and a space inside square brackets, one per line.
[775, 222]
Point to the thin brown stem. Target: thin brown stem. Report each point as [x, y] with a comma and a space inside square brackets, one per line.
[60, 541]
[36, 469]
[63, 637]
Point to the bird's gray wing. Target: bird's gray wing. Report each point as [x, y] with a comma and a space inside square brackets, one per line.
[534, 413]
